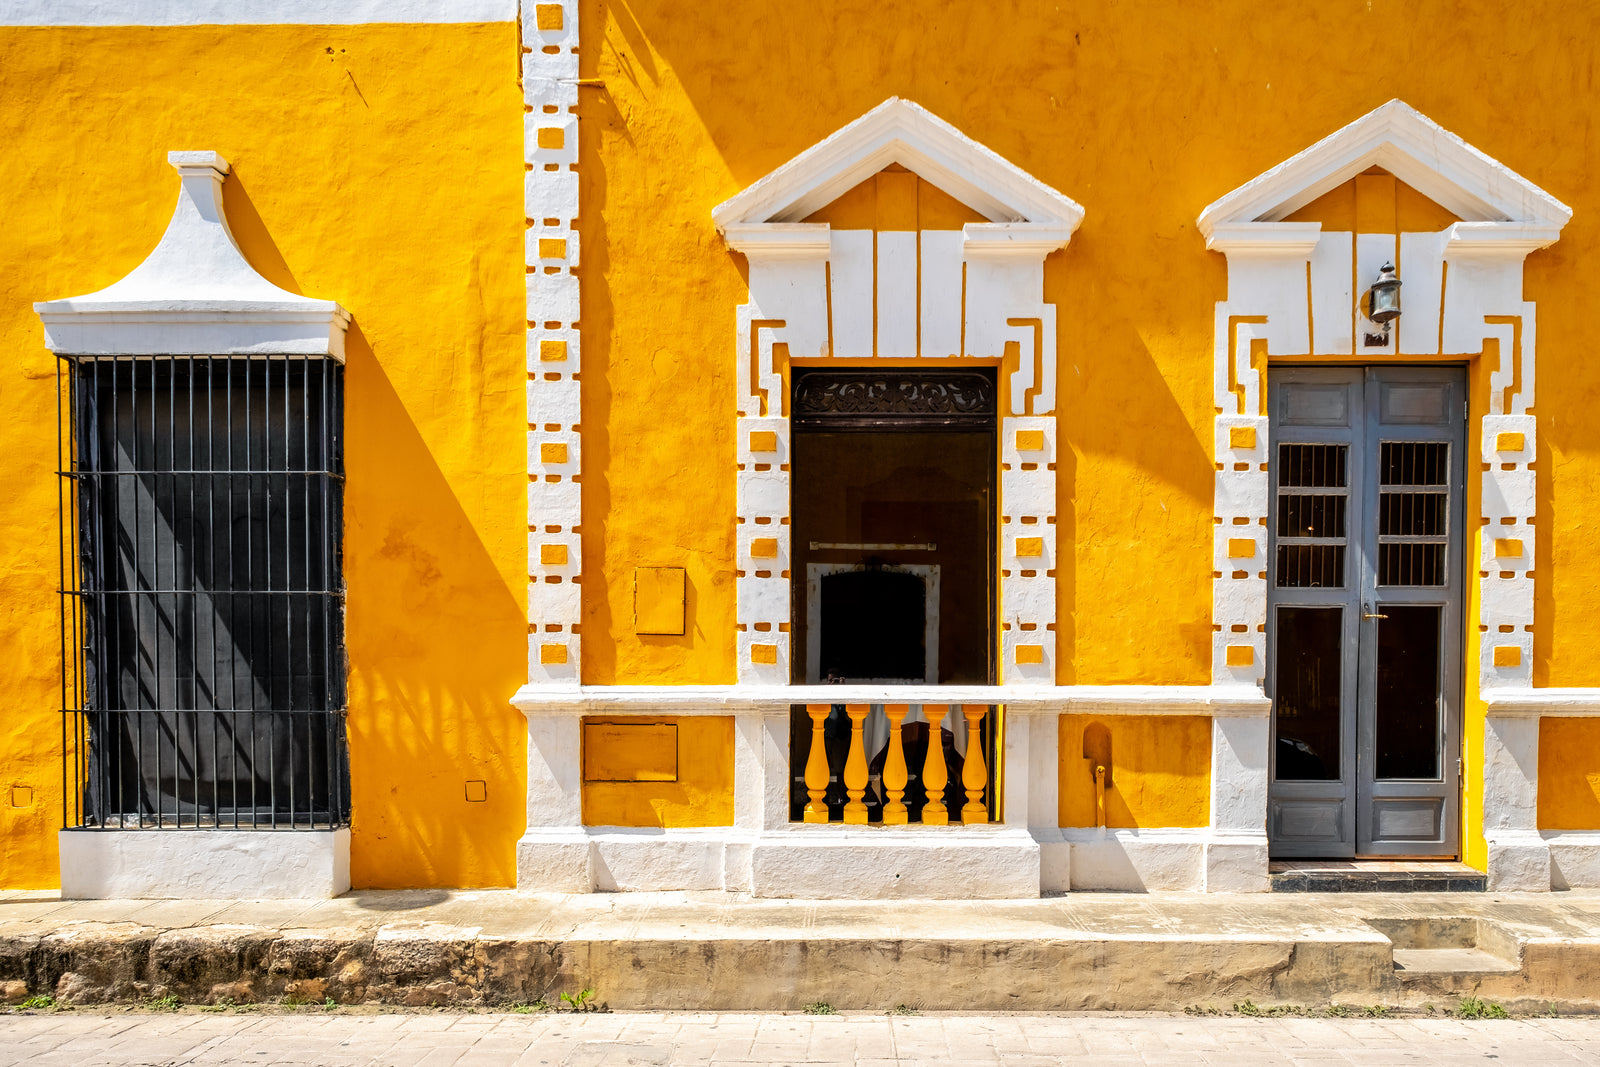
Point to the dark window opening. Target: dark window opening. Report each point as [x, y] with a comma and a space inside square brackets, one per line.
[203, 679]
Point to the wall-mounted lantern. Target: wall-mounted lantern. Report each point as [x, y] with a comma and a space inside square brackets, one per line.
[1383, 304]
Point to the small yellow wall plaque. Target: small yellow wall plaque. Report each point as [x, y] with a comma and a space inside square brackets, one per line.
[658, 600]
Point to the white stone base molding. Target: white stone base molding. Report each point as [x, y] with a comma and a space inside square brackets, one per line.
[1574, 858]
[204, 864]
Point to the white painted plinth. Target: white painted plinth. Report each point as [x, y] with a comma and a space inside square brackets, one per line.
[1135, 860]
[1237, 863]
[555, 860]
[833, 863]
[1574, 858]
[204, 864]
[1519, 862]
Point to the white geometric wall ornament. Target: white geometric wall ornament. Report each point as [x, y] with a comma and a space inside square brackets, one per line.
[195, 294]
[817, 293]
[1293, 290]
[555, 498]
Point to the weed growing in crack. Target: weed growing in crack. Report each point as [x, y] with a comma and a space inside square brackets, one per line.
[1475, 1008]
[819, 1007]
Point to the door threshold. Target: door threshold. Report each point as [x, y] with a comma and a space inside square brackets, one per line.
[1375, 876]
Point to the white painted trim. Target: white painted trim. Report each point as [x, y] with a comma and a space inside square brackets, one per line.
[1217, 701]
[1536, 702]
[251, 12]
[1410, 146]
[1498, 240]
[899, 131]
[204, 864]
[195, 294]
[554, 343]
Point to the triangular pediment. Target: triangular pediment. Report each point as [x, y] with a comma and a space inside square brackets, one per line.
[899, 131]
[1412, 147]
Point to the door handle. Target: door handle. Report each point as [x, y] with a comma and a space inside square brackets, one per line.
[1370, 614]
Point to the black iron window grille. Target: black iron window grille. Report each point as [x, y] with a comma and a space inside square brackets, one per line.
[203, 673]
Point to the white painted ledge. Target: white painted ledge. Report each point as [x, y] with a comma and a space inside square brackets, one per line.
[1211, 700]
[204, 864]
[1538, 702]
[250, 12]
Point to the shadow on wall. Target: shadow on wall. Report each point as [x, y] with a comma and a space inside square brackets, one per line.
[436, 645]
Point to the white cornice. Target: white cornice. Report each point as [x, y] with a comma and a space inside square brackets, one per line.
[1414, 149]
[784, 240]
[899, 131]
[1002, 239]
[195, 294]
[1271, 240]
[727, 699]
[1498, 240]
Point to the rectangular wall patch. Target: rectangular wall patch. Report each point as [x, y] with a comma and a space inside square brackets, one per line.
[630, 752]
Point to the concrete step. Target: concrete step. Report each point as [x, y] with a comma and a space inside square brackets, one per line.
[713, 951]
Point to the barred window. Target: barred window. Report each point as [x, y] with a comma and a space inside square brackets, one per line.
[203, 627]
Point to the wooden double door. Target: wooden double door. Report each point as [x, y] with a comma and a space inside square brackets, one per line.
[1365, 610]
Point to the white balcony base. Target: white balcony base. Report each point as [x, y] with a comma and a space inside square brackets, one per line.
[204, 864]
[819, 863]
[1574, 858]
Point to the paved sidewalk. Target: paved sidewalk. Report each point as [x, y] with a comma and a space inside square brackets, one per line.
[435, 1040]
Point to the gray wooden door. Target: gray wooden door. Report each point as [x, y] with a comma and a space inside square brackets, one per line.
[1364, 610]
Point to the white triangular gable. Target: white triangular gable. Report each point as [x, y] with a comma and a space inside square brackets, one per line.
[899, 131]
[1414, 149]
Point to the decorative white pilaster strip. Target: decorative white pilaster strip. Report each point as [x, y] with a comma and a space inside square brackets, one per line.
[555, 501]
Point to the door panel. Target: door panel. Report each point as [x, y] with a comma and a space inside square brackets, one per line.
[1365, 609]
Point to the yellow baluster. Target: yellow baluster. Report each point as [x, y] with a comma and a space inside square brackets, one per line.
[974, 775]
[894, 768]
[934, 774]
[817, 765]
[855, 767]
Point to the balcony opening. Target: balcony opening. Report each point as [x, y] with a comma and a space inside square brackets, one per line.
[893, 483]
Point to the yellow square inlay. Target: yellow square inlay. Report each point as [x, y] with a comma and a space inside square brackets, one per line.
[763, 653]
[1241, 655]
[763, 441]
[1507, 656]
[552, 137]
[552, 653]
[1030, 440]
[1241, 437]
[1030, 546]
[552, 248]
[658, 600]
[1508, 546]
[1030, 654]
[553, 452]
[548, 16]
[553, 351]
[1241, 548]
[1509, 442]
[553, 555]
[764, 548]
[630, 752]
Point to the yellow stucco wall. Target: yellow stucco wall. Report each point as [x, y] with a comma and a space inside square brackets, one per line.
[380, 166]
[1569, 774]
[1160, 771]
[1144, 114]
[700, 793]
